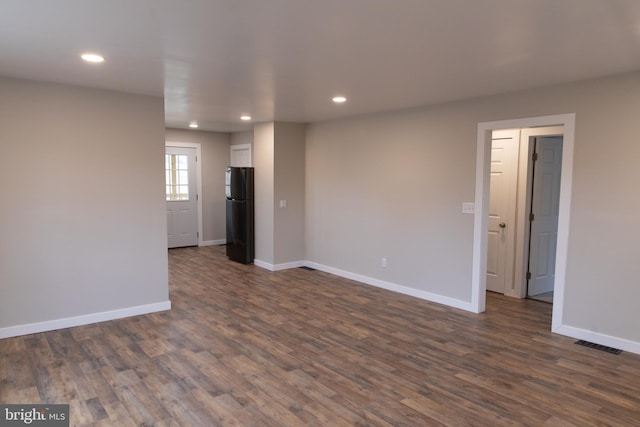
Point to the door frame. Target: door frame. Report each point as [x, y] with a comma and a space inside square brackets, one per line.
[198, 148]
[481, 216]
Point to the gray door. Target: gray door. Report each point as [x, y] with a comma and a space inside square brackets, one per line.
[544, 208]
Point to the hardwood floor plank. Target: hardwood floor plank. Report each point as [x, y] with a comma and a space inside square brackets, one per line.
[275, 408]
[118, 415]
[96, 409]
[84, 414]
[243, 346]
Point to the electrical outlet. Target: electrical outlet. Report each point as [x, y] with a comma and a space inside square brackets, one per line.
[383, 262]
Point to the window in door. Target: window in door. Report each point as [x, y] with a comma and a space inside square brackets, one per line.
[177, 177]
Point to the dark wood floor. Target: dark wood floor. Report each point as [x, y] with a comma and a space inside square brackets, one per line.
[246, 347]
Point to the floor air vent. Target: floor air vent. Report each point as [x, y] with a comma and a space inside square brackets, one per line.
[307, 268]
[599, 347]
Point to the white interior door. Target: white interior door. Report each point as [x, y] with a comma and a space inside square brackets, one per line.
[241, 155]
[544, 207]
[502, 212]
[181, 196]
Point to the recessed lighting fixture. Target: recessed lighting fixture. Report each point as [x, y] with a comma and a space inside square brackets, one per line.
[92, 57]
[193, 124]
[339, 99]
[245, 117]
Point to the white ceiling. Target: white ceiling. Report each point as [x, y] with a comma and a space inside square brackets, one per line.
[214, 60]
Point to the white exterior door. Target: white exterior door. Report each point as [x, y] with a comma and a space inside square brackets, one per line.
[502, 210]
[544, 208]
[182, 214]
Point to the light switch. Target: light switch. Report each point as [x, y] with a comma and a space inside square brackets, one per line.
[283, 203]
[468, 208]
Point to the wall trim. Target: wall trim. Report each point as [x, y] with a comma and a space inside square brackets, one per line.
[87, 319]
[288, 265]
[428, 296]
[278, 267]
[569, 331]
[483, 159]
[598, 338]
[263, 264]
[213, 242]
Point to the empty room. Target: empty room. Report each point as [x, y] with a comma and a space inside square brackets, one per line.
[292, 213]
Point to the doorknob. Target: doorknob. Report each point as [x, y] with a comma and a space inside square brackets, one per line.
[502, 225]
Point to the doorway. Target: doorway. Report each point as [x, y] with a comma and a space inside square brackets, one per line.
[523, 211]
[184, 205]
[481, 216]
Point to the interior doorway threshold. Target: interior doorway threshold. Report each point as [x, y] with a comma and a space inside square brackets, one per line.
[546, 297]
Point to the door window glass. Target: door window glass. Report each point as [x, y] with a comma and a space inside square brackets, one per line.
[177, 177]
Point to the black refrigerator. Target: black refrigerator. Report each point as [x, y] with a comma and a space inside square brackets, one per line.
[239, 190]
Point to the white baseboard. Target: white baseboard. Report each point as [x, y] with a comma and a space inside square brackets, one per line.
[278, 267]
[598, 338]
[69, 322]
[570, 331]
[582, 334]
[288, 265]
[452, 302]
[213, 242]
[263, 264]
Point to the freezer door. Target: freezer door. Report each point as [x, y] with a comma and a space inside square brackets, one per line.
[240, 231]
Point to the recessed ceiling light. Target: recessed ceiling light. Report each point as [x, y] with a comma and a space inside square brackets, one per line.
[245, 117]
[193, 124]
[92, 57]
[339, 99]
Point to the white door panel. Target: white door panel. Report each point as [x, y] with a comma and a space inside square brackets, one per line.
[241, 155]
[502, 194]
[170, 228]
[182, 217]
[492, 254]
[544, 207]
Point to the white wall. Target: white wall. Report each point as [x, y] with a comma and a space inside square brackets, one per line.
[240, 138]
[83, 218]
[215, 159]
[263, 155]
[279, 161]
[391, 185]
[289, 174]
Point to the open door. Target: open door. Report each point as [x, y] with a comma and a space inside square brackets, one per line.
[502, 210]
[543, 218]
